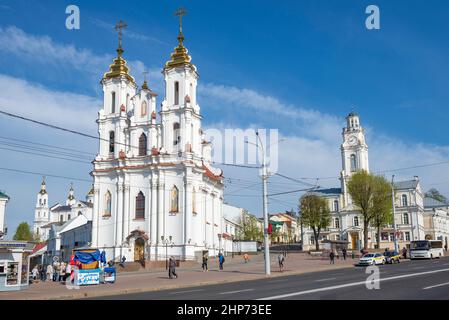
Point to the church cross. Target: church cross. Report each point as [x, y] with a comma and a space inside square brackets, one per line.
[119, 26]
[180, 13]
[145, 75]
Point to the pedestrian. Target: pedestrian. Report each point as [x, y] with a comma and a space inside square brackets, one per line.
[62, 272]
[204, 265]
[281, 262]
[41, 271]
[445, 247]
[50, 272]
[344, 253]
[68, 272]
[35, 272]
[122, 261]
[221, 260]
[404, 252]
[332, 257]
[172, 268]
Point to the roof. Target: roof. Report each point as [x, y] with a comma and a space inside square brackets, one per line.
[62, 208]
[433, 203]
[89, 204]
[38, 247]
[3, 195]
[409, 184]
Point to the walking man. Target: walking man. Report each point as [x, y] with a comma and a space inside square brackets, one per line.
[221, 260]
[204, 265]
[172, 268]
[344, 253]
[332, 257]
[404, 252]
[281, 262]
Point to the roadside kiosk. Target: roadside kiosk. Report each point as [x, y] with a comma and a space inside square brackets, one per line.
[87, 262]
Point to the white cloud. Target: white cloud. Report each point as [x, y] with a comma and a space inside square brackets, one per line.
[40, 103]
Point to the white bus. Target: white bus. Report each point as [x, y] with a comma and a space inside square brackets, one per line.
[426, 249]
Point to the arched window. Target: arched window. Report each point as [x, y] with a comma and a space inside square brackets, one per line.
[176, 92]
[127, 100]
[68, 217]
[61, 218]
[140, 206]
[143, 145]
[113, 102]
[176, 135]
[111, 141]
[404, 200]
[353, 163]
[174, 199]
[143, 109]
[45, 202]
[406, 219]
[356, 221]
[335, 205]
[337, 223]
[80, 213]
[107, 204]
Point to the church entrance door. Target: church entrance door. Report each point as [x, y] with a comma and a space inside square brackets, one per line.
[139, 246]
[354, 240]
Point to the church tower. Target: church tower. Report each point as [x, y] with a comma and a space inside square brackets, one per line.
[71, 197]
[354, 152]
[41, 212]
[118, 89]
[180, 114]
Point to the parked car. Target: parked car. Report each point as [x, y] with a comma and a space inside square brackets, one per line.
[370, 259]
[392, 257]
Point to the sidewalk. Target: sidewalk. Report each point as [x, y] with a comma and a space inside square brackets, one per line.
[157, 279]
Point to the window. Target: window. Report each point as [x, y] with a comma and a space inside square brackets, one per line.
[176, 92]
[194, 201]
[404, 200]
[113, 102]
[45, 201]
[140, 206]
[61, 218]
[107, 204]
[406, 219]
[176, 136]
[80, 213]
[407, 236]
[356, 221]
[353, 163]
[337, 223]
[68, 217]
[127, 100]
[111, 141]
[336, 205]
[143, 145]
[174, 199]
[143, 109]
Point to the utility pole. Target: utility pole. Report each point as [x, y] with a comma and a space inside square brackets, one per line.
[394, 216]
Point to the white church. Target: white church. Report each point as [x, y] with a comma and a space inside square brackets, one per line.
[155, 190]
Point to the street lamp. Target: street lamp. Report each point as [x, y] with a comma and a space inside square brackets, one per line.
[265, 206]
[166, 242]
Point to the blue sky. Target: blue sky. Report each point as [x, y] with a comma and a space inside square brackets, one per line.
[296, 66]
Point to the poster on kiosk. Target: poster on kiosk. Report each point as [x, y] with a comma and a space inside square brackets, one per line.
[88, 269]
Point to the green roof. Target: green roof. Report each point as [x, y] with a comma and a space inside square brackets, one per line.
[3, 195]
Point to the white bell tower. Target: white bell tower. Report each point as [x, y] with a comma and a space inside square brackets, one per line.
[41, 211]
[354, 152]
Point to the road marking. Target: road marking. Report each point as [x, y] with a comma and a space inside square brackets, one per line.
[437, 285]
[177, 292]
[321, 280]
[278, 280]
[350, 285]
[417, 268]
[237, 291]
[445, 264]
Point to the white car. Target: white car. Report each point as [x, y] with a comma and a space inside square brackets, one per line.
[371, 259]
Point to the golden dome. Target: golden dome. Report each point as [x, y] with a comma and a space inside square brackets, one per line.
[180, 56]
[118, 68]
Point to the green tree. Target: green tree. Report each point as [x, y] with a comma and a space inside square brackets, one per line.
[436, 195]
[23, 232]
[315, 214]
[381, 208]
[250, 228]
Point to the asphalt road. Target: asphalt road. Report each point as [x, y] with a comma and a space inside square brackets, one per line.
[409, 280]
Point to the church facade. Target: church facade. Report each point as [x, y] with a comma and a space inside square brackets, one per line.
[156, 193]
[46, 216]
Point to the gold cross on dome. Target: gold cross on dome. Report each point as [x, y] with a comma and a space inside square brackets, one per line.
[180, 13]
[119, 26]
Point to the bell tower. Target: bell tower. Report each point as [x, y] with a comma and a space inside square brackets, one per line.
[354, 152]
[41, 211]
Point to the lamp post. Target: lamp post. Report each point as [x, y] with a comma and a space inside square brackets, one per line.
[166, 242]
